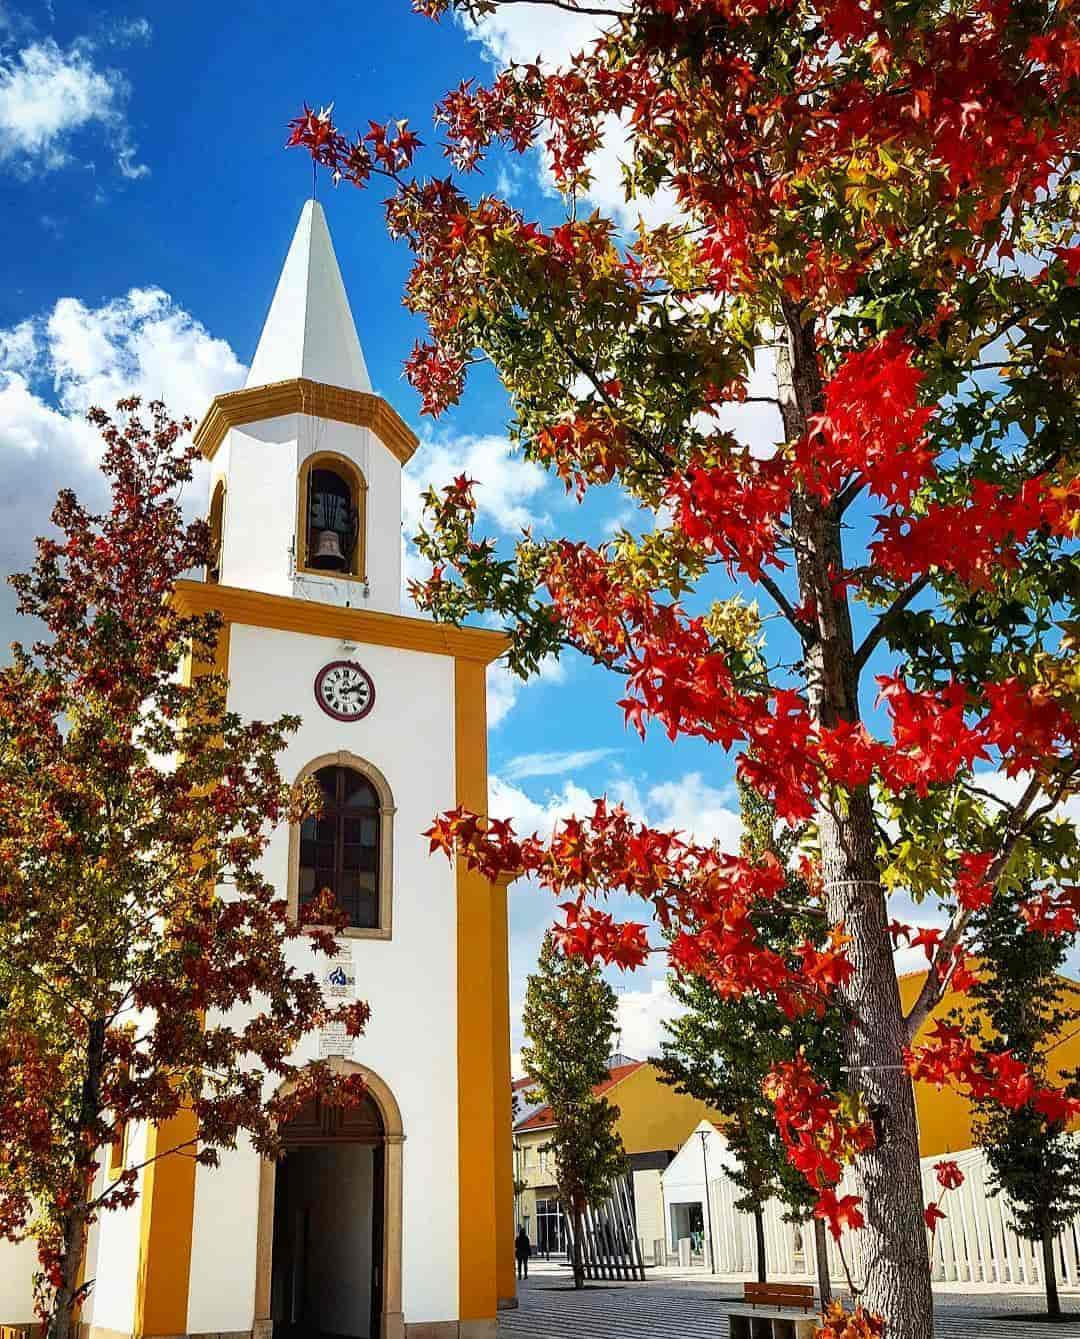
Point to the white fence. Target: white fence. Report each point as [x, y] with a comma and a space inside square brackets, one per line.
[974, 1244]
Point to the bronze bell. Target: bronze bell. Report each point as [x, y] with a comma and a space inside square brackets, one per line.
[326, 550]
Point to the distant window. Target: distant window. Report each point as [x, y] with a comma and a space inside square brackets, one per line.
[340, 849]
[216, 521]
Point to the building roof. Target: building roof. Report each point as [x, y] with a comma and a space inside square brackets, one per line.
[541, 1117]
[309, 331]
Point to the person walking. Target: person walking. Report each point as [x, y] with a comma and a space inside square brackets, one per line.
[522, 1251]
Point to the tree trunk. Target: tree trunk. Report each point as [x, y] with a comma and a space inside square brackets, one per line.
[1053, 1302]
[759, 1239]
[68, 1296]
[893, 1242]
[579, 1271]
[821, 1258]
[66, 1301]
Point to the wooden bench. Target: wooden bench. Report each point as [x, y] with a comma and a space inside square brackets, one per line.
[771, 1322]
[795, 1295]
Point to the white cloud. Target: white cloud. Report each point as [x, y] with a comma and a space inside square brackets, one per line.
[523, 34]
[509, 497]
[758, 427]
[509, 486]
[553, 764]
[688, 805]
[641, 1015]
[504, 688]
[48, 94]
[140, 344]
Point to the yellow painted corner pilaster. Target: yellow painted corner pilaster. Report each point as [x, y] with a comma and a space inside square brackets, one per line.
[165, 1235]
[167, 1216]
[506, 1272]
[478, 1175]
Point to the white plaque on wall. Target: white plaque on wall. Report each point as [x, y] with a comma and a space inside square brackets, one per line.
[334, 1040]
[339, 976]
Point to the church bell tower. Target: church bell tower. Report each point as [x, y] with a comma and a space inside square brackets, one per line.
[399, 1219]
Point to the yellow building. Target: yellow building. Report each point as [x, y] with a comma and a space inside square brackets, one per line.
[945, 1116]
[654, 1122]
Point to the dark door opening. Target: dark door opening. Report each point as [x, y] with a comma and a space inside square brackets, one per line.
[326, 1272]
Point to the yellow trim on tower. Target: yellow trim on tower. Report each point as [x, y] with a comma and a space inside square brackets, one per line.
[300, 395]
[478, 1103]
[167, 1217]
[259, 610]
[506, 1272]
[166, 1228]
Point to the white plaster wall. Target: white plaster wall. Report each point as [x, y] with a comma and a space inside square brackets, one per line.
[17, 1264]
[648, 1208]
[683, 1180]
[260, 463]
[409, 981]
[261, 505]
[112, 1300]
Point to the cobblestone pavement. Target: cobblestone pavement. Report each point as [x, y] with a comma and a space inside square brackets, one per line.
[549, 1308]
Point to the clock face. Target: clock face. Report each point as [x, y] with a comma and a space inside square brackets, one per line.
[344, 690]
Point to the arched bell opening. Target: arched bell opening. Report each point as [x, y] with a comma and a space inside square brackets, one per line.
[332, 514]
[216, 522]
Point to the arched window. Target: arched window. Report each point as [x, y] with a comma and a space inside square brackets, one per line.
[331, 520]
[349, 847]
[216, 521]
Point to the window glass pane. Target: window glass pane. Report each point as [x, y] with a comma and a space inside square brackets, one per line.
[359, 792]
[340, 850]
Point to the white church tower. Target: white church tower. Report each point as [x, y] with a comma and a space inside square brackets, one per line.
[396, 1219]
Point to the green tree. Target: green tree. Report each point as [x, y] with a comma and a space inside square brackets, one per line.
[136, 927]
[721, 1050]
[570, 1023]
[1029, 1006]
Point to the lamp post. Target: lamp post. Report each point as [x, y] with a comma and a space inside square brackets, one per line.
[704, 1136]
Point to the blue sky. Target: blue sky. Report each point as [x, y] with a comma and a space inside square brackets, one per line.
[148, 202]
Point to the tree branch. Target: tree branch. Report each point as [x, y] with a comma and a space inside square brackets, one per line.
[881, 627]
[569, 7]
[934, 986]
[806, 633]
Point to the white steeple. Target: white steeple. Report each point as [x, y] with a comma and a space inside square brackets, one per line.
[309, 330]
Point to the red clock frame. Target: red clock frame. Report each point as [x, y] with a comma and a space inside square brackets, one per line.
[331, 711]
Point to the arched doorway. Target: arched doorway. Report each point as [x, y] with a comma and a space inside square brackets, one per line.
[329, 1258]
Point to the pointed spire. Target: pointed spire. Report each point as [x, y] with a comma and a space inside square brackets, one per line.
[309, 330]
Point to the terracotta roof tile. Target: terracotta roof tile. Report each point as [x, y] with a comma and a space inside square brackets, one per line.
[539, 1120]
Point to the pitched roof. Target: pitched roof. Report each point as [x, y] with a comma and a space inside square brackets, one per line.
[309, 331]
[540, 1119]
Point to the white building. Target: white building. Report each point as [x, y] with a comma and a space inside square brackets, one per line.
[399, 1219]
[686, 1211]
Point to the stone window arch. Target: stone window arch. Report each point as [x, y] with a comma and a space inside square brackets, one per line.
[362, 799]
[331, 501]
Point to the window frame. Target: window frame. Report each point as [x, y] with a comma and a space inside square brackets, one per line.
[215, 519]
[351, 474]
[387, 810]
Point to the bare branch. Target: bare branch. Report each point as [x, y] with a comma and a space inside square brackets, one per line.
[878, 632]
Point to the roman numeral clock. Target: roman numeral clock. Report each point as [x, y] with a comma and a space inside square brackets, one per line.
[345, 690]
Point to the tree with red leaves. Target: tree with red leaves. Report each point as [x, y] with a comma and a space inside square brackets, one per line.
[134, 810]
[877, 205]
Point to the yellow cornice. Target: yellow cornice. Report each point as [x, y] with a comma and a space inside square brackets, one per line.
[287, 614]
[301, 396]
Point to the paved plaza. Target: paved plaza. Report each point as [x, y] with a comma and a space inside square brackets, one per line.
[672, 1308]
